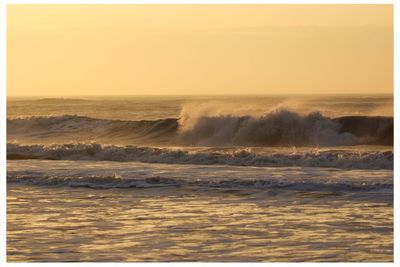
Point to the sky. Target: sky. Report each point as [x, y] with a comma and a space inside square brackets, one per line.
[63, 50]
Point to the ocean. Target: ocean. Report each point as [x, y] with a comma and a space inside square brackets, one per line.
[200, 178]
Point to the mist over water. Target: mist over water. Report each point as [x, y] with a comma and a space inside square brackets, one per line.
[161, 107]
[202, 121]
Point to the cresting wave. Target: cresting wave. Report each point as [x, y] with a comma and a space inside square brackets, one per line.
[276, 128]
[239, 157]
[283, 128]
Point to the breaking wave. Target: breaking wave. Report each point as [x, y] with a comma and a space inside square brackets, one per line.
[282, 128]
[118, 181]
[239, 157]
[276, 128]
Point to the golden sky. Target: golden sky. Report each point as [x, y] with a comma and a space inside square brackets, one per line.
[66, 50]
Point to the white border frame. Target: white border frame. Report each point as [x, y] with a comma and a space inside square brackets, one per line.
[3, 109]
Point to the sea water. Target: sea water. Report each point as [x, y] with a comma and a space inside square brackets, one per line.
[180, 178]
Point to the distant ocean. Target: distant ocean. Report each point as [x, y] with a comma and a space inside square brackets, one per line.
[205, 178]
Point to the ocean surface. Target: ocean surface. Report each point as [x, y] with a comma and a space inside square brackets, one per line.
[204, 178]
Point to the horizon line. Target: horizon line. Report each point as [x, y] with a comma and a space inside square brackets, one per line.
[255, 94]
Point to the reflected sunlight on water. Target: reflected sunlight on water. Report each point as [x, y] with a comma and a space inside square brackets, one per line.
[75, 224]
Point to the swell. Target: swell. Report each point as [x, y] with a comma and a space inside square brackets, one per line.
[240, 157]
[279, 128]
[83, 129]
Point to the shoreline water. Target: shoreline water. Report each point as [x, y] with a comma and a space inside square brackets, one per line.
[173, 224]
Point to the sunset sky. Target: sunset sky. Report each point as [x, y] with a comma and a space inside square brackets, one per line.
[66, 50]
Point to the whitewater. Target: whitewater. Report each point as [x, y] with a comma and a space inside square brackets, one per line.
[236, 178]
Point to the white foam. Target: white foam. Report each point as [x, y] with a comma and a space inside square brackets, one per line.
[94, 174]
[348, 159]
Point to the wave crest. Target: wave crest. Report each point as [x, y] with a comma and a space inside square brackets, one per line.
[278, 128]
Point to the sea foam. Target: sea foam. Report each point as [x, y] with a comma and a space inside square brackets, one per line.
[239, 157]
